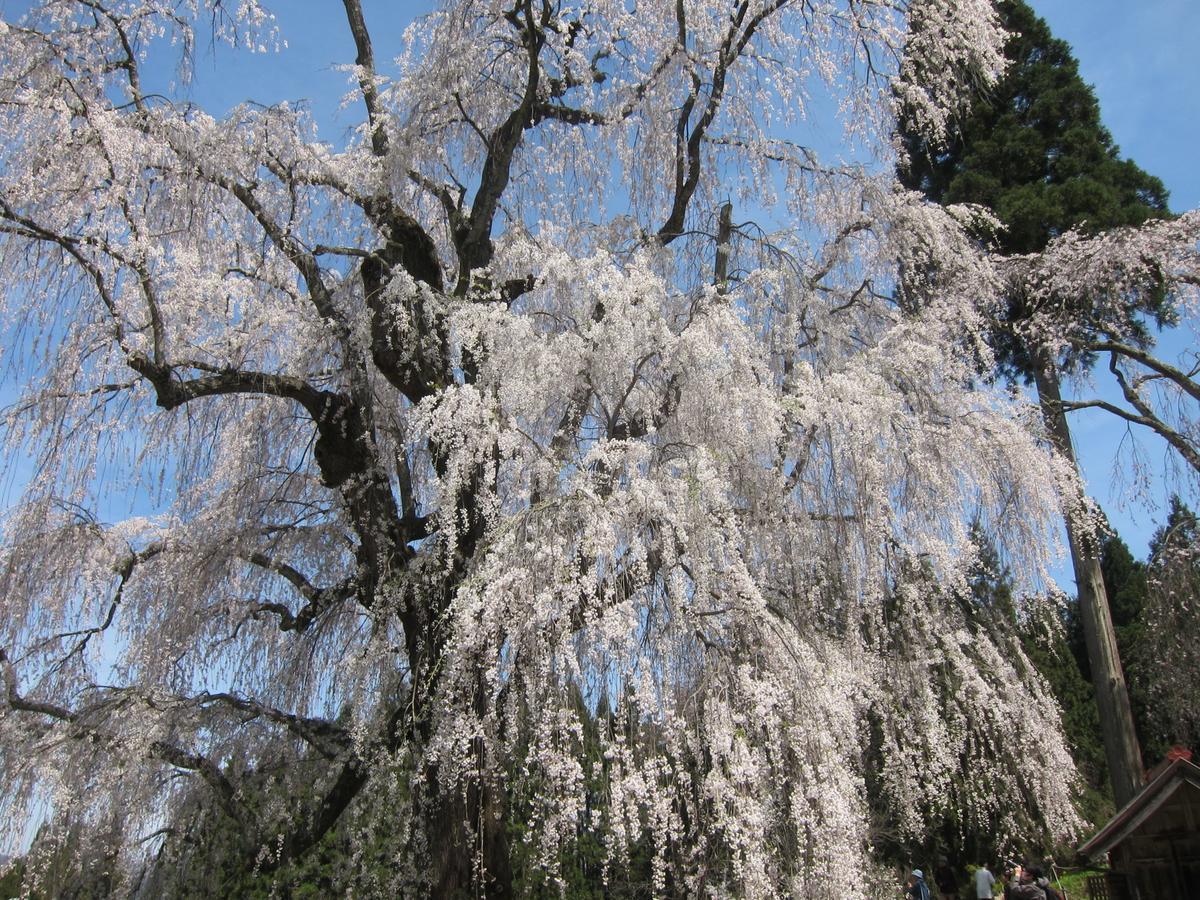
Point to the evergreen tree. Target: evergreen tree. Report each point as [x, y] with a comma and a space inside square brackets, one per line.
[1181, 532]
[1033, 150]
[1129, 584]
[1171, 623]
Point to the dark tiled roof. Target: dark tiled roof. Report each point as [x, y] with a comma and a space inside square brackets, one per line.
[1167, 778]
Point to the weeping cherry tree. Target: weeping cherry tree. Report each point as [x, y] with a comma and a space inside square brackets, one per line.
[408, 457]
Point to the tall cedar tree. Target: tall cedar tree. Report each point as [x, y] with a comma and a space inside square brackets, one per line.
[1126, 580]
[1127, 587]
[1034, 151]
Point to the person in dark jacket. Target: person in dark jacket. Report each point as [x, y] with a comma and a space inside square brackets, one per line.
[1022, 886]
[1040, 879]
[946, 879]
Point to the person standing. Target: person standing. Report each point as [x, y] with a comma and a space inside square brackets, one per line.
[1023, 886]
[985, 883]
[917, 889]
[946, 879]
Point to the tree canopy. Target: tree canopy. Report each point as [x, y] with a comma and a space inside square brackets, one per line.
[486, 467]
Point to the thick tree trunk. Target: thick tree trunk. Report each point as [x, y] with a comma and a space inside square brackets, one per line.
[1121, 748]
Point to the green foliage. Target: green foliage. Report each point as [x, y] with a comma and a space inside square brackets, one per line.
[1048, 645]
[1127, 584]
[582, 860]
[1063, 662]
[959, 827]
[1044, 638]
[991, 581]
[1172, 623]
[206, 853]
[10, 883]
[1074, 882]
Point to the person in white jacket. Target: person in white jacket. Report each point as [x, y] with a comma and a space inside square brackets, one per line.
[985, 883]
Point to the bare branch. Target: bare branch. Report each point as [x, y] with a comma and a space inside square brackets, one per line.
[319, 599]
[1183, 380]
[331, 740]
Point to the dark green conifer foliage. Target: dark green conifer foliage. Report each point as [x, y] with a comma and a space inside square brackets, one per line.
[1033, 149]
[1076, 698]
[1172, 624]
[1128, 591]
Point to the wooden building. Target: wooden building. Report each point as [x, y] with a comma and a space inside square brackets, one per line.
[1153, 842]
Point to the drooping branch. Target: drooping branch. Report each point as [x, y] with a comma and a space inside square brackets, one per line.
[307, 832]
[329, 739]
[226, 793]
[352, 776]
[303, 259]
[28, 228]
[319, 599]
[344, 452]
[18, 702]
[124, 570]
[172, 392]
[339, 449]
[1177, 441]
